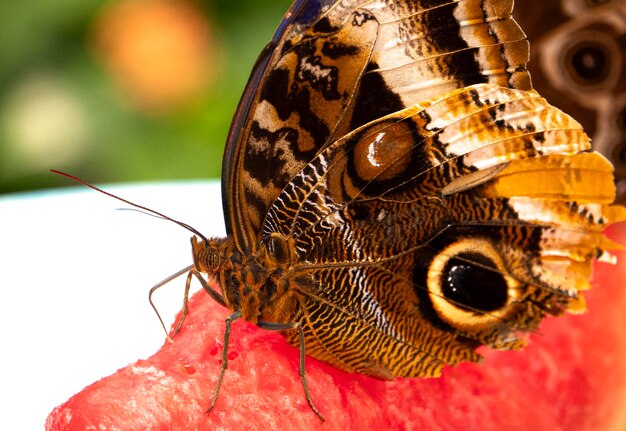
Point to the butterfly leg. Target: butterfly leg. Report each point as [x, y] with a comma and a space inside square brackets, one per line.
[212, 293]
[229, 321]
[189, 269]
[271, 326]
[185, 309]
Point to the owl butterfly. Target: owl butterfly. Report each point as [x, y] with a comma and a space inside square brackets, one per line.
[396, 194]
[579, 64]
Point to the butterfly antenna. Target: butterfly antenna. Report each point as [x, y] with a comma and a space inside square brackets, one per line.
[148, 210]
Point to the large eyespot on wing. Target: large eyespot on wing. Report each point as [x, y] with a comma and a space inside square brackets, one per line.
[336, 65]
[469, 286]
[479, 183]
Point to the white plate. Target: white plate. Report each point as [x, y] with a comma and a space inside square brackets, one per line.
[75, 279]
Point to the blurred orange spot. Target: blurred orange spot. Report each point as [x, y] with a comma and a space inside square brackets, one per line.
[161, 52]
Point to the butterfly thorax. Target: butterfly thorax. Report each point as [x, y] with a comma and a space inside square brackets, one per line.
[250, 283]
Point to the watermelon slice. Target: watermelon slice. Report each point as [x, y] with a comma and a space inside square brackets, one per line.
[572, 377]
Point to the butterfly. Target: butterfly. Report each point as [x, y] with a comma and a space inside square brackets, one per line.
[396, 194]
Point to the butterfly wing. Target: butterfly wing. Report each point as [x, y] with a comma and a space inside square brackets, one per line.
[336, 65]
[455, 223]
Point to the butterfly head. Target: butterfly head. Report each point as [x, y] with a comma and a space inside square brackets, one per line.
[210, 256]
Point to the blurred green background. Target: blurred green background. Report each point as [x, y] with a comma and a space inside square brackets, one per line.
[125, 90]
[135, 90]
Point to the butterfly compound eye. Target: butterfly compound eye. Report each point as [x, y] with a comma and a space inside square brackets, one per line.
[206, 255]
[213, 259]
[469, 286]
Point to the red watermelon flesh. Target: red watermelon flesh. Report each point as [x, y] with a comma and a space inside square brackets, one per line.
[572, 377]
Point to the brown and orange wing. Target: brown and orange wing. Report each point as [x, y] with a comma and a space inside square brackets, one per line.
[457, 222]
[336, 65]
